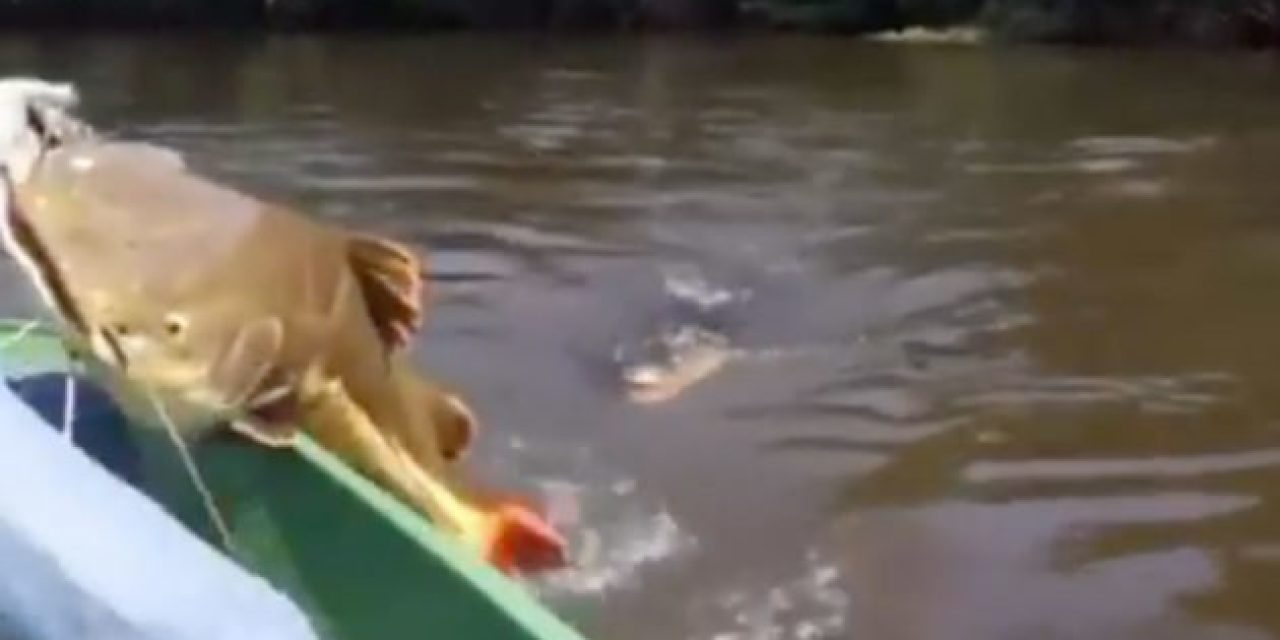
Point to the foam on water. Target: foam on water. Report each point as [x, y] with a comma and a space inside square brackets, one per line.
[614, 531]
[688, 284]
[812, 605]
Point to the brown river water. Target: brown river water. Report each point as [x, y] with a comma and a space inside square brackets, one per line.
[1004, 324]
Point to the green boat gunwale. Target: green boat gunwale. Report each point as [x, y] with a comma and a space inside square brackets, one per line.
[362, 564]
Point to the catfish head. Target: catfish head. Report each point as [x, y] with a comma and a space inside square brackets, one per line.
[117, 238]
[207, 360]
[208, 364]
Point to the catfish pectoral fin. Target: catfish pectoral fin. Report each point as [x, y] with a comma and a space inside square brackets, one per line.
[274, 435]
[247, 365]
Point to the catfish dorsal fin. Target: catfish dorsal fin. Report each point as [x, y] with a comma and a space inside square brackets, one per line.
[390, 277]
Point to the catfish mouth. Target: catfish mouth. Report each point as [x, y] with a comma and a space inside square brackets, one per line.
[33, 255]
[35, 258]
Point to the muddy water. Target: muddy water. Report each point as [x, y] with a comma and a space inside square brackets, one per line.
[1002, 325]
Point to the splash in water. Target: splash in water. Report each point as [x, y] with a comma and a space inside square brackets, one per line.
[811, 606]
[614, 531]
[688, 284]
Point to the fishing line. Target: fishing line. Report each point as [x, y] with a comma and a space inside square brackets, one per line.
[68, 406]
[69, 393]
[17, 337]
[69, 380]
[196, 479]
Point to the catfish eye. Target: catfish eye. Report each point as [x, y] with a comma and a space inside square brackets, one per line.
[175, 325]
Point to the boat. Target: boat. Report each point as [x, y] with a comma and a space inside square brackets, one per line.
[359, 564]
[88, 556]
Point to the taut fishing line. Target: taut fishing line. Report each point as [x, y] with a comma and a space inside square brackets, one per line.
[69, 405]
[21, 333]
[189, 462]
[69, 380]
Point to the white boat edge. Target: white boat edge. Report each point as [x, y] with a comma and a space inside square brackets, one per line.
[85, 555]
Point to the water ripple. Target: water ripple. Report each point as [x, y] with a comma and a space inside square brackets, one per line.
[1105, 470]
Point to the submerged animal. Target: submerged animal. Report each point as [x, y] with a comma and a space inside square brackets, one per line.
[684, 341]
[199, 305]
[672, 362]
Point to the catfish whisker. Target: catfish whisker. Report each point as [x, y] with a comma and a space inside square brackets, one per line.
[189, 462]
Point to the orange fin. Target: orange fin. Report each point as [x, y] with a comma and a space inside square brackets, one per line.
[524, 542]
[390, 276]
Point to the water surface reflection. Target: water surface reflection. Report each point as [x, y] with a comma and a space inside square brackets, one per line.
[1002, 320]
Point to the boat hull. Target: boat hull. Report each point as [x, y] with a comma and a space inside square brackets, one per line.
[361, 564]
